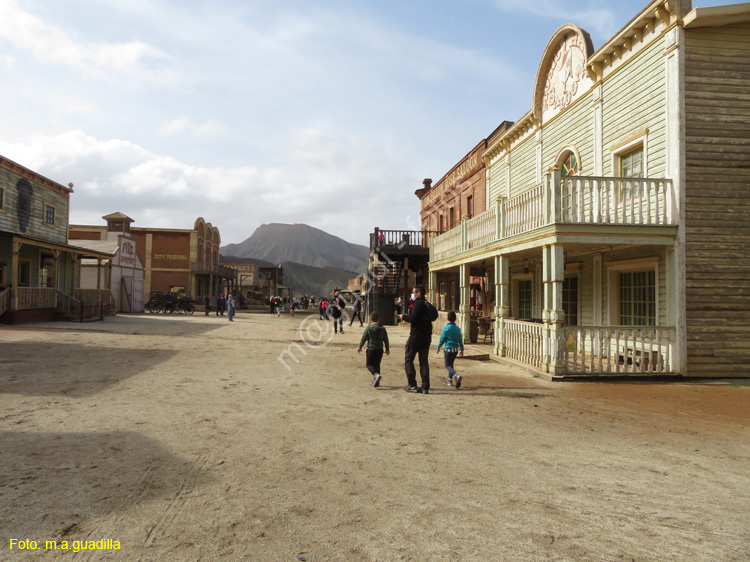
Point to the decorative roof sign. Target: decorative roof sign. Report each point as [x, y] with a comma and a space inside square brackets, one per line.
[562, 77]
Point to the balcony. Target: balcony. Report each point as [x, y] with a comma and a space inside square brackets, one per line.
[572, 200]
[213, 268]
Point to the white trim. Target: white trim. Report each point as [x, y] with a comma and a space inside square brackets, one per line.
[617, 151]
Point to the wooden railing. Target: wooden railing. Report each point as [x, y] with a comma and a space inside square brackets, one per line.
[69, 306]
[565, 200]
[445, 245]
[524, 341]
[524, 212]
[481, 230]
[36, 297]
[401, 238]
[4, 301]
[600, 200]
[618, 349]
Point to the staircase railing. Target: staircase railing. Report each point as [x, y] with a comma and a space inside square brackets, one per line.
[69, 306]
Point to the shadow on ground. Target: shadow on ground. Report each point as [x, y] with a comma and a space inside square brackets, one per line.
[54, 483]
[54, 369]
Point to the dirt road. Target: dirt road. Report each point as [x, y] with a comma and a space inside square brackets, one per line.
[185, 438]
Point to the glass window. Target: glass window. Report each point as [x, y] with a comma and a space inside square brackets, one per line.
[524, 299]
[49, 214]
[442, 296]
[570, 165]
[470, 206]
[637, 298]
[631, 166]
[570, 300]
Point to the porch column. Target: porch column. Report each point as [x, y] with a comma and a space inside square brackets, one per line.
[98, 273]
[432, 287]
[553, 274]
[502, 301]
[464, 307]
[14, 275]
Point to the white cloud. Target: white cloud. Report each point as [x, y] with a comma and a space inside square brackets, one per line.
[341, 184]
[600, 21]
[108, 60]
[183, 126]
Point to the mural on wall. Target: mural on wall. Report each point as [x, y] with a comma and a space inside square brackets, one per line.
[23, 208]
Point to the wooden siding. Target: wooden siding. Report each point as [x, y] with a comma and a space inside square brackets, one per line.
[497, 177]
[573, 127]
[717, 182]
[40, 194]
[633, 99]
[523, 166]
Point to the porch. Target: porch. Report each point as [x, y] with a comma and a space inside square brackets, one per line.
[42, 303]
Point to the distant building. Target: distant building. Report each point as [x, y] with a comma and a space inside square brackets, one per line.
[175, 260]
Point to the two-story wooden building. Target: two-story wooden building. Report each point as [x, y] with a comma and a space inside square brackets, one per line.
[616, 227]
[39, 270]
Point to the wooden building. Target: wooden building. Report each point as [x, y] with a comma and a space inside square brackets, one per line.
[175, 260]
[39, 271]
[617, 217]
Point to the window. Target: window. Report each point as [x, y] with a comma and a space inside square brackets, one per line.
[631, 163]
[524, 299]
[49, 214]
[637, 296]
[2, 199]
[470, 206]
[570, 165]
[442, 296]
[450, 219]
[570, 299]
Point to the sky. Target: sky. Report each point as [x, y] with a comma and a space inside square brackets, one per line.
[244, 112]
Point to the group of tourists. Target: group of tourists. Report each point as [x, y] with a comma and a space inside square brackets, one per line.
[224, 303]
[420, 316]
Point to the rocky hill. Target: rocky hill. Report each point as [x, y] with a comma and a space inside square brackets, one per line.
[301, 244]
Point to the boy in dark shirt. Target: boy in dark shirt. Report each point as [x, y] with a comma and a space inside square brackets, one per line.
[377, 337]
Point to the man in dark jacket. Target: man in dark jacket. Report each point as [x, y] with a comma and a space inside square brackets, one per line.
[418, 343]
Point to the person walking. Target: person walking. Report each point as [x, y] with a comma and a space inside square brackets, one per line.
[337, 306]
[323, 309]
[230, 307]
[418, 343]
[454, 346]
[207, 303]
[357, 311]
[376, 336]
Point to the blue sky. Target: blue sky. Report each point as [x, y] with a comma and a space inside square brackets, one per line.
[245, 112]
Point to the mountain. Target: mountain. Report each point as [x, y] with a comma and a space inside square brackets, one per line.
[301, 244]
[318, 281]
[234, 259]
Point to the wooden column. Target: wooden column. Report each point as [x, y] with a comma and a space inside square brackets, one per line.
[502, 301]
[464, 306]
[553, 275]
[14, 275]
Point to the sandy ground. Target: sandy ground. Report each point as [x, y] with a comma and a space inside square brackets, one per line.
[185, 438]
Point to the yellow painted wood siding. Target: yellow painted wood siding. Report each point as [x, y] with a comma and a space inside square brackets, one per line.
[634, 98]
[717, 217]
[523, 166]
[497, 178]
[574, 127]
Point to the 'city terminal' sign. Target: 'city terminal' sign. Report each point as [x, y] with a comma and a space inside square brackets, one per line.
[170, 257]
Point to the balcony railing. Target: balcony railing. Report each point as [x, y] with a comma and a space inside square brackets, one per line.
[216, 269]
[564, 200]
[401, 238]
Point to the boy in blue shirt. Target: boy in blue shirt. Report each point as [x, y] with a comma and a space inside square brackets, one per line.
[453, 340]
